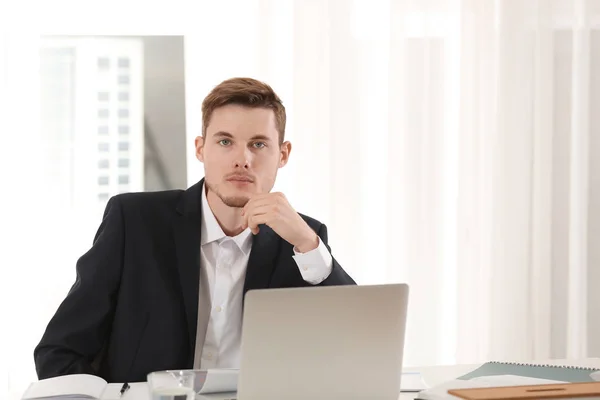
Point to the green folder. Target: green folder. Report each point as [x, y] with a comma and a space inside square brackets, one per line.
[554, 372]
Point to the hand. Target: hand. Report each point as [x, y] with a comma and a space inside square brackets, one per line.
[273, 210]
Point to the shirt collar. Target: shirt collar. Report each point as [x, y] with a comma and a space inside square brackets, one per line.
[210, 230]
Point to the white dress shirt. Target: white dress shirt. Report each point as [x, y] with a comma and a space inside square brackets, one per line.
[223, 262]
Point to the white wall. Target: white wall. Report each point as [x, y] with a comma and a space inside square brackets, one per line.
[594, 205]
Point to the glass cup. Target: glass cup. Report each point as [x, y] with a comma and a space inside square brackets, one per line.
[171, 385]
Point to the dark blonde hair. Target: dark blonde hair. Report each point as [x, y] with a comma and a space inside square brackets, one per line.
[246, 92]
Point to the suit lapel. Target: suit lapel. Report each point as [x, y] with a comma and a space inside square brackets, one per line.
[265, 247]
[186, 232]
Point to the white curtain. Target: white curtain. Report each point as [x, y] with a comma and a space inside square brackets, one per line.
[453, 145]
[447, 144]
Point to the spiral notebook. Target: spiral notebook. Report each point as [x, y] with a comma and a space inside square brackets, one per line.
[506, 374]
[565, 373]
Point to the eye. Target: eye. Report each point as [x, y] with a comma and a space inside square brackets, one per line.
[258, 145]
[224, 142]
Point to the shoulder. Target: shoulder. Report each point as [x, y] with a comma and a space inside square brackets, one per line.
[160, 196]
[144, 202]
[143, 212]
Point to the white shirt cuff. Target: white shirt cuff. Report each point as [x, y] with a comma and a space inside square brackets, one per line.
[316, 265]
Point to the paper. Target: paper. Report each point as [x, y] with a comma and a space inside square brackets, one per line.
[512, 380]
[217, 396]
[220, 381]
[412, 382]
[136, 391]
[440, 392]
[76, 385]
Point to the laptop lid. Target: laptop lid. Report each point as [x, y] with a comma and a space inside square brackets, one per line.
[329, 342]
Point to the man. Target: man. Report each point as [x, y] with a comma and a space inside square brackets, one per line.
[162, 287]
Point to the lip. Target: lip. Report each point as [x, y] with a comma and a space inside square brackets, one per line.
[241, 179]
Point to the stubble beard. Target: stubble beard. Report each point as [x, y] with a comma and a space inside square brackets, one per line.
[231, 201]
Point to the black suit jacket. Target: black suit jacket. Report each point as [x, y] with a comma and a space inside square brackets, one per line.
[133, 307]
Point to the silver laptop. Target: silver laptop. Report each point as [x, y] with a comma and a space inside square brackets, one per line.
[333, 342]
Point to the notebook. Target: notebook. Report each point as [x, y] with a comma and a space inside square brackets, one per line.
[90, 387]
[502, 374]
[441, 391]
[565, 373]
[82, 387]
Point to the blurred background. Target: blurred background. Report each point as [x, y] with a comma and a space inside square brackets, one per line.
[450, 144]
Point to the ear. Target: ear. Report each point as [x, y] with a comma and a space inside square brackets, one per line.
[284, 153]
[199, 142]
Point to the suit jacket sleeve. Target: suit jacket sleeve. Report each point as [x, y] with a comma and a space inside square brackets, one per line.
[79, 329]
[338, 276]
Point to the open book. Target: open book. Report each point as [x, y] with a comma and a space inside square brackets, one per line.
[90, 387]
[84, 387]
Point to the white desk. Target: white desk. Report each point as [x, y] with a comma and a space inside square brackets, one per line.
[434, 375]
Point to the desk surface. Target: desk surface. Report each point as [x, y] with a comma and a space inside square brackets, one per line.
[434, 375]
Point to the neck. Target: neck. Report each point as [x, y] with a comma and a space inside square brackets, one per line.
[229, 218]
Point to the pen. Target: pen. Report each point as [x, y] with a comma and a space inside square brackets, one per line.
[124, 389]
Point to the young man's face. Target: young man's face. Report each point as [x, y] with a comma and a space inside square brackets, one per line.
[241, 153]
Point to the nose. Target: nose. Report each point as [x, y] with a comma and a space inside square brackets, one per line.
[242, 158]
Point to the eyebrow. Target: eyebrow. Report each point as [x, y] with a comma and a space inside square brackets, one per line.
[261, 137]
[223, 134]
[230, 136]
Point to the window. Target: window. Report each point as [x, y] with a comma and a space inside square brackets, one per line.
[103, 63]
[123, 62]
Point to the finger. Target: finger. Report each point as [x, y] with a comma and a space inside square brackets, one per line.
[257, 201]
[261, 210]
[259, 198]
[267, 197]
[255, 220]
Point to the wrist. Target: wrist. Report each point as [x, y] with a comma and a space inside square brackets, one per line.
[310, 243]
